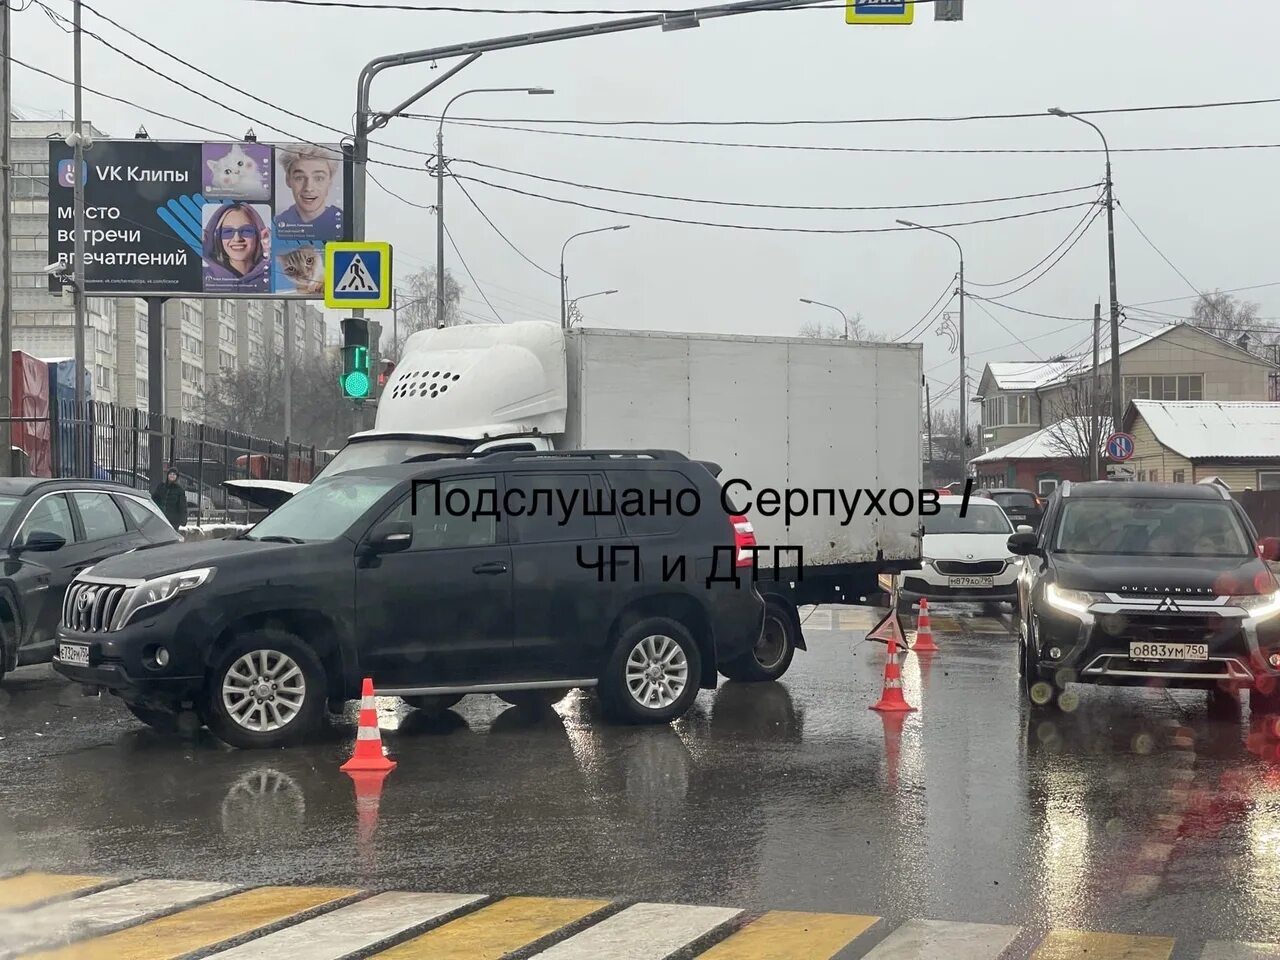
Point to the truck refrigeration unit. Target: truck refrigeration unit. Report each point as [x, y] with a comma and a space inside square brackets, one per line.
[811, 419]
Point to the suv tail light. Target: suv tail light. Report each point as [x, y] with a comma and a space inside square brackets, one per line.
[744, 538]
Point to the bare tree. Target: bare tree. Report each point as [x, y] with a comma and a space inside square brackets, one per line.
[251, 400]
[1075, 429]
[1226, 316]
[419, 308]
[857, 330]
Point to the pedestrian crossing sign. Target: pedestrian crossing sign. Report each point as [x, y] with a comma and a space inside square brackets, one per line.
[357, 275]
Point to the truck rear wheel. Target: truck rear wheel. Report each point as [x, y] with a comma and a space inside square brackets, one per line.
[773, 651]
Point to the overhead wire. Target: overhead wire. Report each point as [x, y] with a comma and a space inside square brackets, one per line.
[1057, 260]
[1151, 244]
[533, 263]
[776, 206]
[462, 260]
[929, 314]
[1000, 323]
[547, 11]
[756, 227]
[1036, 266]
[1030, 313]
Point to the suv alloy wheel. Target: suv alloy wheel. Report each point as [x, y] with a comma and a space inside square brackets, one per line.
[772, 653]
[654, 673]
[266, 690]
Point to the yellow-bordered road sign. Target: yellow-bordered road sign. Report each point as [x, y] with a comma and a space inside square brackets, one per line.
[357, 275]
[879, 11]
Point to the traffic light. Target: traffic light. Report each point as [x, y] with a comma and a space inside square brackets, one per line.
[355, 358]
[385, 369]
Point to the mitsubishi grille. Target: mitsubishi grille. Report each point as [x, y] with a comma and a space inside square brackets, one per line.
[91, 607]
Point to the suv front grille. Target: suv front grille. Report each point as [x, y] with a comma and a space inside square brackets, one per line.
[1155, 628]
[90, 607]
[963, 568]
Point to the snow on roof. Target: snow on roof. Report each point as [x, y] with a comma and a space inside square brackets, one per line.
[1033, 374]
[1049, 443]
[1200, 429]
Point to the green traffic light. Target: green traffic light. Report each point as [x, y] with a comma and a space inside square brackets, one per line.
[356, 384]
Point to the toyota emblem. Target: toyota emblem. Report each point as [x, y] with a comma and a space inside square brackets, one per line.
[86, 598]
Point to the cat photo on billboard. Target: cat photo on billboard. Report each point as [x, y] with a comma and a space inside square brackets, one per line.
[237, 171]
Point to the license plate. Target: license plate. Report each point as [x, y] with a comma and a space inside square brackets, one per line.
[1168, 651]
[972, 581]
[74, 653]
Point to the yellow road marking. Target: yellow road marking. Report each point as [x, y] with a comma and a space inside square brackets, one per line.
[201, 926]
[28, 888]
[494, 931]
[1080, 945]
[786, 935]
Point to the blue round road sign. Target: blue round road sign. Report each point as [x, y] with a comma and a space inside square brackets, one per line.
[1120, 446]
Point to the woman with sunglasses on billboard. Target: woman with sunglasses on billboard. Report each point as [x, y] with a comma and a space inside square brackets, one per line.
[237, 250]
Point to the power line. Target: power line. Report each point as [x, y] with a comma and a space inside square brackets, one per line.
[1046, 271]
[436, 8]
[823, 148]
[758, 227]
[1030, 313]
[1256, 286]
[1036, 266]
[778, 206]
[1152, 245]
[1007, 330]
[391, 193]
[466, 193]
[928, 314]
[479, 289]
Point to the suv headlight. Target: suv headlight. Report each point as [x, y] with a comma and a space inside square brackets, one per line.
[160, 590]
[1259, 606]
[1074, 602]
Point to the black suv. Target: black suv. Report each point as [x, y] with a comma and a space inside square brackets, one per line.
[51, 530]
[1020, 506]
[1147, 584]
[437, 578]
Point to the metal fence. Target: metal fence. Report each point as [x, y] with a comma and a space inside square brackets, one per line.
[108, 442]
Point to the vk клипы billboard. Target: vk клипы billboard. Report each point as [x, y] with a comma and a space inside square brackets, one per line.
[201, 219]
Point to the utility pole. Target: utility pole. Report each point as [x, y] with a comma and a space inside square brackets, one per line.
[6, 245]
[79, 272]
[928, 422]
[287, 353]
[1095, 408]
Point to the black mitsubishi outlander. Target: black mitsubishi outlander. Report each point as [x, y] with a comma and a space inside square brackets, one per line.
[1147, 584]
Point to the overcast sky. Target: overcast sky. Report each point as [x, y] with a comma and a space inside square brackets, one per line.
[1212, 214]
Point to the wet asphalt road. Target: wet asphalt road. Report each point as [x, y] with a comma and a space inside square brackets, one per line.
[1141, 811]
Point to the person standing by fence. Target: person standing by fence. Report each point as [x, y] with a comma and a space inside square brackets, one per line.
[171, 499]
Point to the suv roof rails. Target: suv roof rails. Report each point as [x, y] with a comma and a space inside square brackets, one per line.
[583, 455]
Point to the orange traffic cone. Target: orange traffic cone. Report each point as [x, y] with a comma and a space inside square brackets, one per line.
[924, 631]
[368, 753]
[892, 700]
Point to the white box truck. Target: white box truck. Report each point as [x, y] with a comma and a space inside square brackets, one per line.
[787, 420]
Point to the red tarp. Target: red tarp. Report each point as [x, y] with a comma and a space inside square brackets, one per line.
[31, 412]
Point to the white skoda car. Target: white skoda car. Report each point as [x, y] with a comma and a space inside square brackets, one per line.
[966, 558]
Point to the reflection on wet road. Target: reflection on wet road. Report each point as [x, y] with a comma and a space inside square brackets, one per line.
[1140, 812]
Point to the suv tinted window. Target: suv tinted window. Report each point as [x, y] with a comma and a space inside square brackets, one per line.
[52, 514]
[153, 525]
[660, 485]
[543, 526]
[100, 515]
[439, 530]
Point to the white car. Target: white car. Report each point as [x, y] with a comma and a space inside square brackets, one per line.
[965, 559]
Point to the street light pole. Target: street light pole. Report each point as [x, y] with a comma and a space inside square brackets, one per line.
[440, 183]
[564, 302]
[964, 392]
[1117, 411]
[573, 304]
[819, 303]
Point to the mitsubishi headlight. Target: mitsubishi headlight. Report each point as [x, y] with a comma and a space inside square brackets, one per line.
[1074, 602]
[160, 590]
[1259, 606]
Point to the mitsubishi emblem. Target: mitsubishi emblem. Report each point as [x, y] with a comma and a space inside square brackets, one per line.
[1168, 605]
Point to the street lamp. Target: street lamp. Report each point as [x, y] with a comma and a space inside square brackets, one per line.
[819, 303]
[564, 305]
[1116, 396]
[532, 91]
[573, 304]
[964, 407]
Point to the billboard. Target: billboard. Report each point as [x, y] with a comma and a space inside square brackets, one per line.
[201, 219]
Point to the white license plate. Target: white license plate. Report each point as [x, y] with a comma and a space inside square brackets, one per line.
[73, 653]
[1168, 651]
[971, 581]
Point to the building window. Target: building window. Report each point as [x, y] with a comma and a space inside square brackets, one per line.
[1180, 387]
[1269, 479]
[1180, 476]
[1046, 485]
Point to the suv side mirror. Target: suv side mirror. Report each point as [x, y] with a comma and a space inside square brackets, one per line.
[1269, 549]
[42, 541]
[1022, 543]
[390, 537]
[1024, 528]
